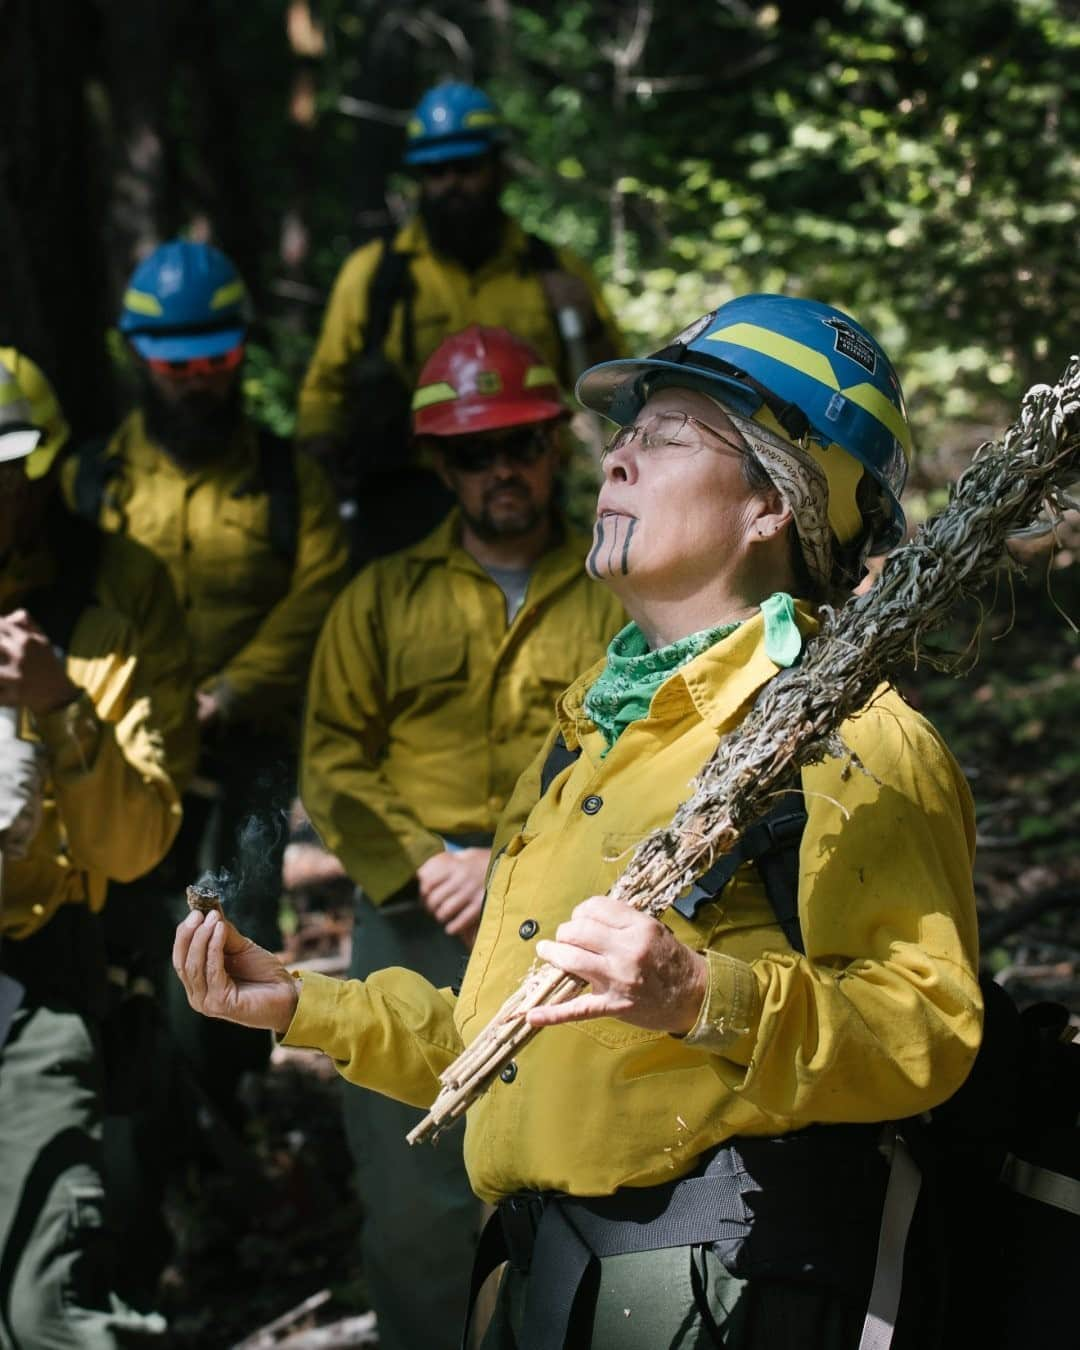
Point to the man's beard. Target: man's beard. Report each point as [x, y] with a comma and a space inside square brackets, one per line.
[464, 227]
[197, 428]
[507, 522]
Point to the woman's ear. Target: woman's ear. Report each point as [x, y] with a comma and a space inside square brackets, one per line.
[770, 516]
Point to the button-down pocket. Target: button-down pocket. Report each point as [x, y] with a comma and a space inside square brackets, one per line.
[420, 664]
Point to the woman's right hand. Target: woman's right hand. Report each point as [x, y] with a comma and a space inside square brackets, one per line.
[227, 975]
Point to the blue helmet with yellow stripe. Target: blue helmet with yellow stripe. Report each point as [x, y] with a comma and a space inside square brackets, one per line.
[800, 368]
[185, 300]
[452, 121]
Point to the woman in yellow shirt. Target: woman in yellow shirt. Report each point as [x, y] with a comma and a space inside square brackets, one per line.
[693, 1153]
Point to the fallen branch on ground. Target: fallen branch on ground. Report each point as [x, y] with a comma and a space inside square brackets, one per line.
[794, 721]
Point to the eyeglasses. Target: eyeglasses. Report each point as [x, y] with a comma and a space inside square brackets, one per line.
[667, 434]
[520, 448]
[197, 365]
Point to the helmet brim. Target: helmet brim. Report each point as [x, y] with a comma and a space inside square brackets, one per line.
[185, 346]
[454, 420]
[454, 147]
[17, 444]
[618, 390]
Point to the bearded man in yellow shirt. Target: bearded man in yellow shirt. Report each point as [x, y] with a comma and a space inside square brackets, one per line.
[696, 1150]
[461, 260]
[248, 530]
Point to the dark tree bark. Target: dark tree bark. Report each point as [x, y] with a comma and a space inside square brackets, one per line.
[53, 296]
[139, 43]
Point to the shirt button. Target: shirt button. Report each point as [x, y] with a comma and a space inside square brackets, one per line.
[592, 804]
[528, 929]
[509, 1073]
[496, 804]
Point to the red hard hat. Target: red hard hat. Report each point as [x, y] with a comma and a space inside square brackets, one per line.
[481, 379]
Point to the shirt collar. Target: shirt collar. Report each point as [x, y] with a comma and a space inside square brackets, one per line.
[718, 685]
[564, 560]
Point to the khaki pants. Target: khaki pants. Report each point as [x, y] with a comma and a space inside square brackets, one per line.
[54, 1269]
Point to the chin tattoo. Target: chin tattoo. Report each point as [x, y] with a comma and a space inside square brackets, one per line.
[610, 555]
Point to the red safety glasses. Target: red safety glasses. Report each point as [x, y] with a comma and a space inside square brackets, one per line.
[197, 365]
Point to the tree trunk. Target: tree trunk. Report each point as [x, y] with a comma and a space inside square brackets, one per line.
[53, 301]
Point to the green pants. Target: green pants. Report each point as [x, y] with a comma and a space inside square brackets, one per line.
[684, 1299]
[54, 1266]
[421, 1219]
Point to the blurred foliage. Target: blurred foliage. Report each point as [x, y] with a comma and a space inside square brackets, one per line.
[915, 164]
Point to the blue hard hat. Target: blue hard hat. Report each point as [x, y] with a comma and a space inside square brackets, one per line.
[800, 368]
[452, 121]
[184, 300]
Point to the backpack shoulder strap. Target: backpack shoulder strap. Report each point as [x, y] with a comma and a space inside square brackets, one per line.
[772, 845]
[94, 470]
[277, 477]
[391, 281]
[559, 757]
[539, 256]
[58, 607]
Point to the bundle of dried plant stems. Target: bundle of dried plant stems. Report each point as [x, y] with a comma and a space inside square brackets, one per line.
[1006, 488]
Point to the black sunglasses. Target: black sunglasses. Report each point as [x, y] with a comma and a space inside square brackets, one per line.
[519, 448]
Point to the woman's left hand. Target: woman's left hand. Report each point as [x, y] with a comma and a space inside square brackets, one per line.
[639, 971]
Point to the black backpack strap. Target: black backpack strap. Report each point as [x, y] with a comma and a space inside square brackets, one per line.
[57, 608]
[560, 756]
[392, 281]
[538, 256]
[277, 478]
[772, 845]
[94, 470]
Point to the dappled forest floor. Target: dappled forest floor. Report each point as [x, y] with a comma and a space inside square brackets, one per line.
[258, 1243]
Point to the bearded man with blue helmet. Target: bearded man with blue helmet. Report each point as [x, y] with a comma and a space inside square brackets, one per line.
[701, 1149]
[248, 530]
[462, 260]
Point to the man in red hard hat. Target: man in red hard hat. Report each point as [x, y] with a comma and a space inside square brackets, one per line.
[432, 689]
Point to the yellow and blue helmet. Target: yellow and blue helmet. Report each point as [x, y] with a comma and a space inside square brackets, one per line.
[452, 121]
[799, 368]
[185, 300]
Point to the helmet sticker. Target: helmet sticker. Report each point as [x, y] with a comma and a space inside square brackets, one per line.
[488, 382]
[693, 330]
[853, 345]
[170, 278]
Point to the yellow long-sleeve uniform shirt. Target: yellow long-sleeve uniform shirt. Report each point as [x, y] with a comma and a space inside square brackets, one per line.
[879, 1020]
[424, 706]
[253, 613]
[120, 753]
[504, 293]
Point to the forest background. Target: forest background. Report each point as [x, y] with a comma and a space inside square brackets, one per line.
[915, 164]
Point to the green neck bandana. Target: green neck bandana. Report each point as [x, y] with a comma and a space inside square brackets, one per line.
[625, 687]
